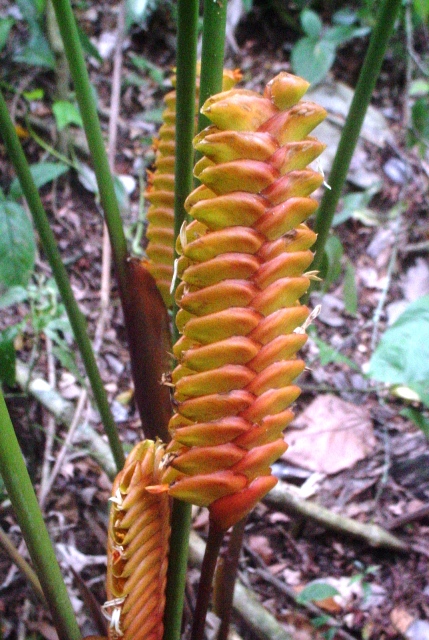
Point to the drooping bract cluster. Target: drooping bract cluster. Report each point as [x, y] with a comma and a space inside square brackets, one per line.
[137, 552]
[242, 270]
[160, 193]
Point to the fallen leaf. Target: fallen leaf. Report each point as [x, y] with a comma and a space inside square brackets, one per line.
[401, 619]
[330, 435]
[261, 545]
[415, 283]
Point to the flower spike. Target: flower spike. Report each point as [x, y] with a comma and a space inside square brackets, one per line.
[160, 194]
[138, 539]
[243, 262]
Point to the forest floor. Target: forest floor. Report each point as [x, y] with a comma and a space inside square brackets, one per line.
[351, 450]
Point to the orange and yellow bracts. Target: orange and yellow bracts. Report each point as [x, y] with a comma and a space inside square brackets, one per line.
[138, 539]
[160, 193]
[242, 268]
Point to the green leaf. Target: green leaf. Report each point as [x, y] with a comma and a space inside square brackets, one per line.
[330, 633]
[153, 115]
[320, 621]
[345, 16]
[311, 23]
[42, 172]
[418, 418]
[402, 356]
[7, 355]
[66, 356]
[340, 34]
[87, 46]
[31, 10]
[421, 9]
[419, 87]
[17, 246]
[155, 72]
[134, 79]
[5, 26]
[13, 296]
[312, 58]
[66, 113]
[36, 52]
[350, 290]
[420, 117]
[57, 325]
[331, 268]
[328, 354]
[35, 94]
[355, 205]
[316, 591]
[121, 195]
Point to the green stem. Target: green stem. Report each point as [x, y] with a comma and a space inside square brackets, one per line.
[368, 76]
[91, 123]
[47, 239]
[208, 567]
[177, 566]
[23, 498]
[212, 55]
[187, 35]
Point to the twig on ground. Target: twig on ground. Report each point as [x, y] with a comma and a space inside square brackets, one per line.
[50, 427]
[400, 521]
[66, 445]
[16, 556]
[389, 274]
[64, 410]
[284, 496]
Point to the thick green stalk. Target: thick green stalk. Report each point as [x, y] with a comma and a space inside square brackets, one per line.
[213, 53]
[368, 76]
[91, 123]
[185, 106]
[21, 493]
[187, 35]
[47, 239]
[177, 567]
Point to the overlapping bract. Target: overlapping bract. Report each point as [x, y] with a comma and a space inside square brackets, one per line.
[138, 538]
[242, 262]
[160, 193]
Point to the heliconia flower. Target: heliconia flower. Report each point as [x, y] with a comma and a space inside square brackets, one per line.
[243, 261]
[138, 539]
[160, 193]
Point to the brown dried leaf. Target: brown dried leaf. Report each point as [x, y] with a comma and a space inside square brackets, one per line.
[261, 545]
[330, 435]
[401, 619]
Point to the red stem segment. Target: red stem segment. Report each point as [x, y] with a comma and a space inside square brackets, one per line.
[214, 542]
[226, 574]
